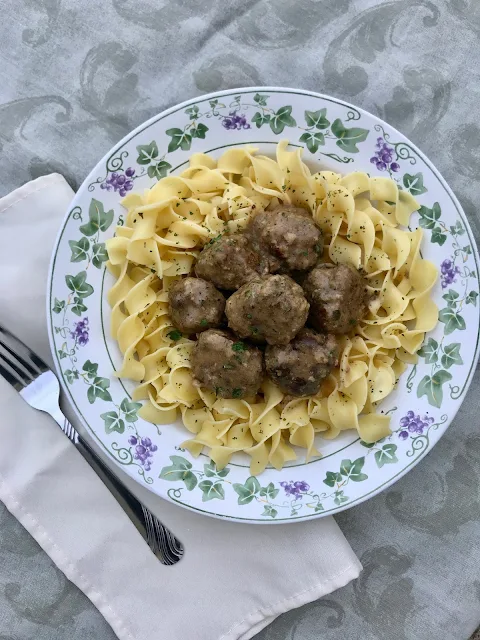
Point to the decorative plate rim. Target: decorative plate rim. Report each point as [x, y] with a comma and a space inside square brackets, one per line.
[90, 178]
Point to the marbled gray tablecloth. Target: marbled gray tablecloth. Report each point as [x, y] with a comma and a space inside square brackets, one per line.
[76, 76]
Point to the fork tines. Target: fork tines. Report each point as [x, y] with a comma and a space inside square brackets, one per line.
[18, 370]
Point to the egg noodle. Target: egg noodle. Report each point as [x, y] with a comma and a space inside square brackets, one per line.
[165, 229]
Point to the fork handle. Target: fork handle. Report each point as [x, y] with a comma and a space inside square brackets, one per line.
[169, 548]
[160, 540]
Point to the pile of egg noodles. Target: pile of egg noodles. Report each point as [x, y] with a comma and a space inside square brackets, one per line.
[360, 217]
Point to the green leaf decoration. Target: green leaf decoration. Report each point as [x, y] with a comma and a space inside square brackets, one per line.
[281, 119]
[429, 217]
[58, 306]
[340, 498]
[269, 511]
[319, 507]
[113, 422]
[70, 375]
[332, 478]
[457, 229]
[130, 409]
[180, 140]
[451, 297]
[180, 469]
[99, 389]
[353, 470]
[99, 255]
[452, 320]
[62, 354]
[269, 491]
[386, 455]
[260, 99]
[471, 298]
[192, 111]
[79, 249]
[78, 285]
[429, 351]
[368, 445]
[438, 236]
[213, 103]
[246, 492]
[431, 386]
[78, 308]
[317, 119]
[99, 219]
[467, 250]
[159, 170]
[313, 139]
[414, 184]
[91, 369]
[199, 131]
[147, 152]
[211, 491]
[260, 118]
[348, 138]
[211, 470]
[451, 355]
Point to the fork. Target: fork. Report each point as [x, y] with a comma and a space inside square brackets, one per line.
[39, 387]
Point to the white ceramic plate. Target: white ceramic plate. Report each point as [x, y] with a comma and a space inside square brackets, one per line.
[336, 136]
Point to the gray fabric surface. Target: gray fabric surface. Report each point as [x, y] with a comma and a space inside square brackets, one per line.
[75, 77]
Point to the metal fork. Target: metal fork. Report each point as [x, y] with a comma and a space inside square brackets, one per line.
[39, 387]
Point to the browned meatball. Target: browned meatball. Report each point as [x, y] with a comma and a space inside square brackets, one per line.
[228, 261]
[195, 305]
[226, 365]
[338, 297]
[269, 309]
[299, 367]
[287, 238]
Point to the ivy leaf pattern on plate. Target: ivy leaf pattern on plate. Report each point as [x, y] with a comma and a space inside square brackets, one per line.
[348, 139]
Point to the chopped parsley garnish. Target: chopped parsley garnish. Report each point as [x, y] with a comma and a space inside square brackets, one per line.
[174, 335]
[239, 346]
[237, 393]
[213, 240]
[253, 329]
[229, 365]
[249, 316]
[203, 322]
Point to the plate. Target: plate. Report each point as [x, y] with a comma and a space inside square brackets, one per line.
[336, 136]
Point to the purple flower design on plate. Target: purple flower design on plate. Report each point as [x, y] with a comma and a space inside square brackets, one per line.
[234, 121]
[448, 273]
[414, 424]
[121, 182]
[80, 332]
[295, 489]
[144, 450]
[383, 158]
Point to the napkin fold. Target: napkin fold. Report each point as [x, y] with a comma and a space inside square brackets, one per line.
[234, 578]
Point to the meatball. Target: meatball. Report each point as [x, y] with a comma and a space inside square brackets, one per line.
[287, 238]
[338, 297]
[299, 367]
[195, 305]
[228, 261]
[229, 367]
[269, 309]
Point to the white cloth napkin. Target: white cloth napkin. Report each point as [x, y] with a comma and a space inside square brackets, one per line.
[234, 578]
